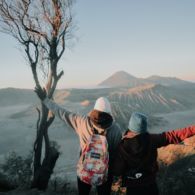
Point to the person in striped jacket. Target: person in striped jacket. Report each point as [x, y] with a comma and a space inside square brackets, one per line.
[100, 118]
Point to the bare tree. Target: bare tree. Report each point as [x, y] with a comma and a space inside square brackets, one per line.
[42, 27]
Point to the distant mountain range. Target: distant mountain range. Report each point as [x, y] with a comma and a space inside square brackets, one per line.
[124, 79]
[127, 93]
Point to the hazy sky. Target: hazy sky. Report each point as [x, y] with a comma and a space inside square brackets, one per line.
[142, 37]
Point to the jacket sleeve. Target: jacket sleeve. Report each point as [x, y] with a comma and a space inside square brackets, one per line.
[173, 136]
[72, 119]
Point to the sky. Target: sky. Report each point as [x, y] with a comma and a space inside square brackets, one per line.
[141, 37]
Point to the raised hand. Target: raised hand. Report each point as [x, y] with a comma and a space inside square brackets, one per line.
[41, 93]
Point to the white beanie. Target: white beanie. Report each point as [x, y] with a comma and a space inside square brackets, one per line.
[102, 104]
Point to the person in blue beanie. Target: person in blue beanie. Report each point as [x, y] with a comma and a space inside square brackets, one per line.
[136, 158]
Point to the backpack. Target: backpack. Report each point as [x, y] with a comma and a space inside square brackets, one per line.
[92, 167]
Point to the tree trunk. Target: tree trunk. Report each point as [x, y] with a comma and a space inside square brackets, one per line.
[44, 169]
[42, 175]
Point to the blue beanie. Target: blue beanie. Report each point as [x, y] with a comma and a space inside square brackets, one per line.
[138, 123]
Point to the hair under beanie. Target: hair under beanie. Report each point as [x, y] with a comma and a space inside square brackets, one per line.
[138, 123]
[101, 115]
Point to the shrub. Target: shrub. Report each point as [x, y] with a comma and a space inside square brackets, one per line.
[18, 169]
[177, 179]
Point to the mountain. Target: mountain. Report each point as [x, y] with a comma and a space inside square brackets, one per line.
[154, 98]
[148, 98]
[124, 79]
[167, 81]
[121, 79]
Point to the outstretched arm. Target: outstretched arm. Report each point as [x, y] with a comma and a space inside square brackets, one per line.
[173, 136]
[177, 136]
[72, 119]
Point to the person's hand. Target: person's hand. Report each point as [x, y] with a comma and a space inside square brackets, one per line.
[41, 93]
[116, 184]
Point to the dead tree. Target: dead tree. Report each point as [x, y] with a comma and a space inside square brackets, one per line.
[42, 28]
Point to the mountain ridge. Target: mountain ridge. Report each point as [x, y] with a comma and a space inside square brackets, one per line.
[149, 98]
[124, 79]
